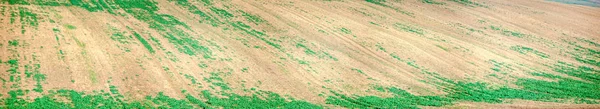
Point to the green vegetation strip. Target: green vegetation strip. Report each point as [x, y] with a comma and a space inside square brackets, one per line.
[508, 32]
[564, 89]
[468, 3]
[70, 99]
[525, 50]
[586, 55]
[144, 42]
[144, 10]
[432, 2]
[408, 28]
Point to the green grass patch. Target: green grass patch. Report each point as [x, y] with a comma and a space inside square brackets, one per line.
[204, 17]
[25, 16]
[400, 99]
[217, 80]
[408, 28]
[526, 50]
[585, 55]
[345, 30]
[71, 27]
[468, 3]
[144, 42]
[319, 54]
[114, 99]
[119, 36]
[13, 42]
[380, 47]
[145, 11]
[38, 77]
[191, 78]
[382, 3]
[307, 50]
[259, 100]
[378, 2]
[432, 2]
[257, 34]
[562, 90]
[221, 12]
[443, 48]
[508, 32]
[358, 70]
[252, 18]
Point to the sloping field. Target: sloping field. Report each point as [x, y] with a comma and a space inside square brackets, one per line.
[298, 54]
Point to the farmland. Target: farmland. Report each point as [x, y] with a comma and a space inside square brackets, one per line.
[299, 54]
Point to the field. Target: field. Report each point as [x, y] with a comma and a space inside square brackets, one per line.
[299, 54]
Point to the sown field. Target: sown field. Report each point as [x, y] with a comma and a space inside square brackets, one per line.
[299, 54]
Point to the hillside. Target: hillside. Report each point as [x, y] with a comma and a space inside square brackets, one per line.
[299, 54]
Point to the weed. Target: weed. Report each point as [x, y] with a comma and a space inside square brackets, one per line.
[221, 12]
[344, 30]
[378, 2]
[585, 55]
[380, 47]
[525, 50]
[205, 17]
[253, 18]
[358, 70]
[27, 19]
[257, 34]
[120, 37]
[319, 54]
[270, 100]
[144, 42]
[469, 3]
[215, 79]
[71, 27]
[307, 50]
[433, 2]
[408, 28]
[443, 48]
[508, 32]
[13, 42]
[582, 91]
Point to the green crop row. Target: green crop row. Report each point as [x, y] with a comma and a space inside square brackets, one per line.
[319, 54]
[144, 42]
[433, 2]
[358, 70]
[257, 34]
[307, 50]
[205, 17]
[468, 3]
[345, 30]
[216, 80]
[143, 10]
[26, 17]
[71, 99]
[400, 99]
[119, 36]
[260, 99]
[525, 50]
[565, 89]
[586, 55]
[380, 47]
[508, 32]
[408, 28]
[237, 25]
[378, 2]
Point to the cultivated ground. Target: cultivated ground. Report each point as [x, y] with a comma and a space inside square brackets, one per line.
[299, 54]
